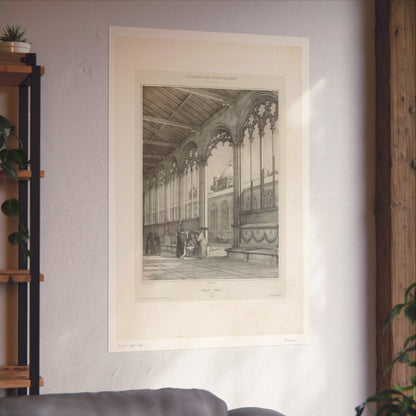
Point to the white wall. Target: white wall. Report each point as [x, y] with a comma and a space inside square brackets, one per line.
[332, 374]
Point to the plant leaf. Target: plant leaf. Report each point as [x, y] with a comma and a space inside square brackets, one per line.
[403, 357]
[400, 400]
[9, 170]
[5, 127]
[388, 395]
[21, 237]
[409, 339]
[359, 410]
[411, 348]
[410, 312]
[14, 239]
[408, 290]
[19, 156]
[405, 406]
[24, 232]
[26, 251]
[390, 366]
[388, 409]
[394, 312]
[405, 388]
[11, 207]
[4, 154]
[13, 33]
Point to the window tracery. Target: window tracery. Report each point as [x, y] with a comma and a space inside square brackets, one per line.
[259, 156]
[160, 196]
[172, 191]
[191, 182]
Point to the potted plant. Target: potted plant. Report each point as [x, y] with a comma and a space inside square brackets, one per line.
[12, 159]
[12, 40]
[399, 400]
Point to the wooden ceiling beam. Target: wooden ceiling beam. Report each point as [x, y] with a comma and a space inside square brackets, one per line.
[157, 143]
[160, 128]
[164, 121]
[208, 95]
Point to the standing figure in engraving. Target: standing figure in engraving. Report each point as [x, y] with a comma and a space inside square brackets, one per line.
[203, 246]
[150, 245]
[158, 247]
[180, 245]
[190, 244]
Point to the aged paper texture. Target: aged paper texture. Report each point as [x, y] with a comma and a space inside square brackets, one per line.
[208, 190]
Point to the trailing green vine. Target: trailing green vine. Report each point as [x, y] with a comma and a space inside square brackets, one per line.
[398, 400]
[12, 159]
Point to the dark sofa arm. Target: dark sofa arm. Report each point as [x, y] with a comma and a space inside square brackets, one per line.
[253, 411]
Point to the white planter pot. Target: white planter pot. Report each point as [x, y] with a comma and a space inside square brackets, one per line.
[22, 47]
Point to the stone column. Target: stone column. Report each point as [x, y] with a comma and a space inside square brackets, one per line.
[274, 163]
[236, 194]
[203, 201]
[182, 208]
[261, 205]
[165, 184]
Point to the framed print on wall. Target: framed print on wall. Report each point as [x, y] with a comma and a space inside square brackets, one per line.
[208, 190]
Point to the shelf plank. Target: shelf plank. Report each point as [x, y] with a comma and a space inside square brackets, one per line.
[17, 276]
[23, 175]
[14, 78]
[12, 58]
[16, 376]
[12, 71]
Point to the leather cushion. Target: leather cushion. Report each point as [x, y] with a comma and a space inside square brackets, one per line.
[163, 402]
[253, 411]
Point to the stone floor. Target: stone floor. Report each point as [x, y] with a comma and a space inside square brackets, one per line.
[168, 267]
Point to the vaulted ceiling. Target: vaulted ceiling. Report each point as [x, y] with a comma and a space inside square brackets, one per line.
[173, 114]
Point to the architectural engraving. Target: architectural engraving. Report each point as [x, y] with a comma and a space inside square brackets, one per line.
[210, 174]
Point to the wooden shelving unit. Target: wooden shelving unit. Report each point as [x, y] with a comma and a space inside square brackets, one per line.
[14, 72]
[17, 276]
[20, 70]
[16, 376]
[24, 175]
